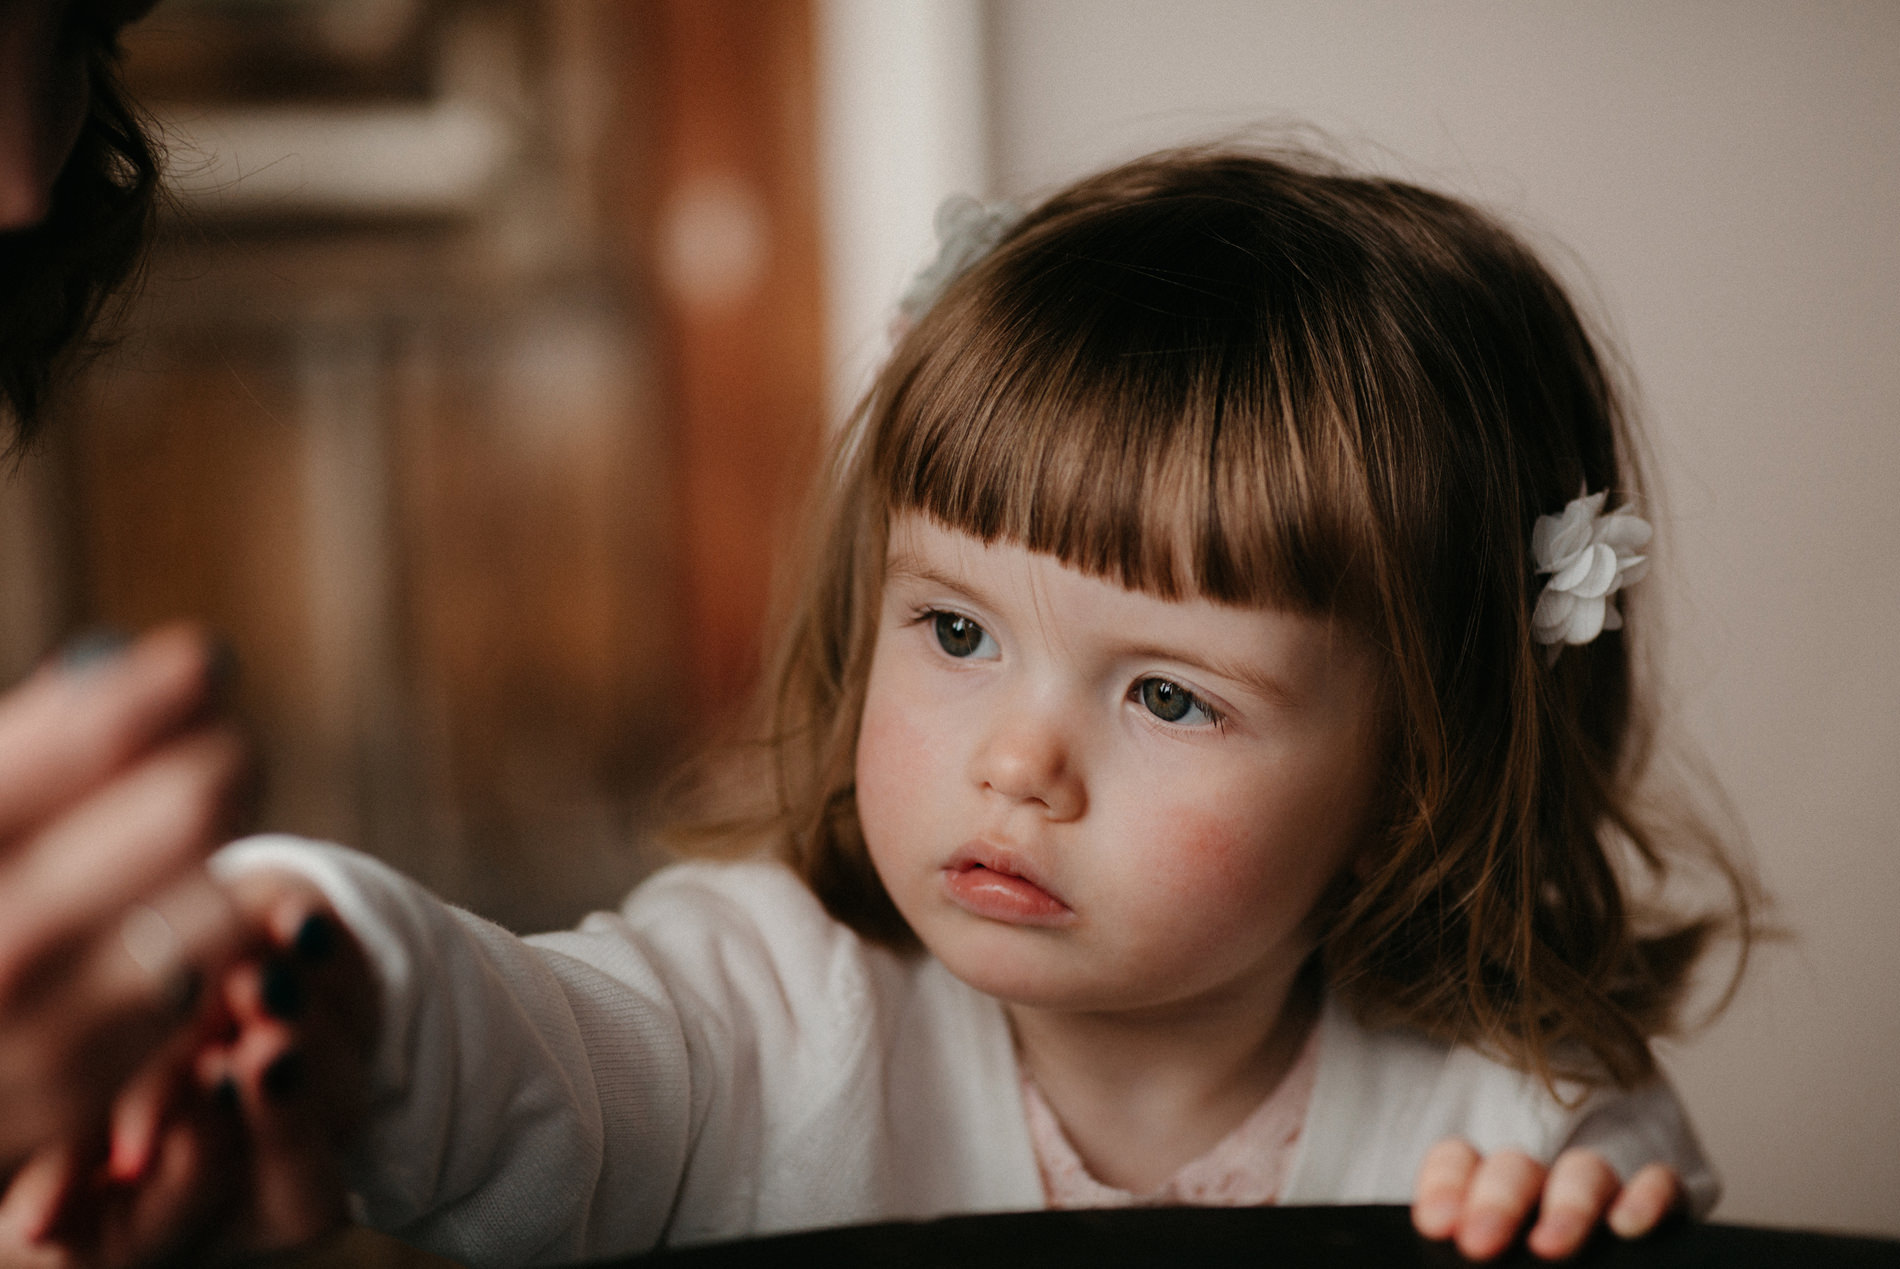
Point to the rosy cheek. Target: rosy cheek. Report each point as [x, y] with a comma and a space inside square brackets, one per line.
[1219, 863]
[893, 763]
[1195, 855]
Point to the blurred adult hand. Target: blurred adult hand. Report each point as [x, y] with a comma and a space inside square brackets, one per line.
[118, 775]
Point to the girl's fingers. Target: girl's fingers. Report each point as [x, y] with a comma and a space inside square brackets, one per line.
[1439, 1197]
[295, 1111]
[316, 960]
[1503, 1190]
[1650, 1195]
[1580, 1187]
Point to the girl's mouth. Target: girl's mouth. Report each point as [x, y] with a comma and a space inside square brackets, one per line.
[988, 884]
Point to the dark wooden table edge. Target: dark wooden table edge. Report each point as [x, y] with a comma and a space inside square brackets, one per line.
[1336, 1237]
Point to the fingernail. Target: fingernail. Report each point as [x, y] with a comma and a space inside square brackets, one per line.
[1485, 1234]
[283, 1077]
[183, 991]
[127, 1165]
[90, 649]
[1564, 1228]
[281, 989]
[1627, 1222]
[225, 1095]
[316, 938]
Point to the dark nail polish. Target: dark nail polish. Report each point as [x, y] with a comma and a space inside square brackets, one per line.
[221, 673]
[282, 989]
[225, 1095]
[316, 938]
[283, 1077]
[92, 648]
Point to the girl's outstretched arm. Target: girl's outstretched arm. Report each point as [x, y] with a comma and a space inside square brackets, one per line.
[1483, 1202]
[523, 1104]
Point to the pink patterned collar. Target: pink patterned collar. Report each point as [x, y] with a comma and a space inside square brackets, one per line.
[1243, 1169]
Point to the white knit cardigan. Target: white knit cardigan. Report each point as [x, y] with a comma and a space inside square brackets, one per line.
[721, 1058]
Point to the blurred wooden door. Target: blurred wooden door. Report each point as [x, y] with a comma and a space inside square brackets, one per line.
[480, 480]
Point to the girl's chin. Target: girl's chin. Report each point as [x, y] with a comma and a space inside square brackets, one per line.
[1020, 977]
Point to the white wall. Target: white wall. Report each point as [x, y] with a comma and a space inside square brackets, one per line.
[902, 125]
[1729, 176]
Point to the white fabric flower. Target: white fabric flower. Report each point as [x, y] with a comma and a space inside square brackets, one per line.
[967, 230]
[1590, 556]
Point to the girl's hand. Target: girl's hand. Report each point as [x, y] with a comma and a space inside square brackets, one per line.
[302, 1031]
[117, 776]
[1481, 1203]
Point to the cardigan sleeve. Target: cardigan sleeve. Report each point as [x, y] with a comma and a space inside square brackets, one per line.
[1634, 1127]
[1384, 1098]
[514, 1084]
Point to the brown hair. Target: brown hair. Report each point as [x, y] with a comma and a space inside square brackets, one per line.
[1264, 381]
[56, 277]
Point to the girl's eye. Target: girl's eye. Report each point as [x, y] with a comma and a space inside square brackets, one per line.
[1172, 703]
[961, 637]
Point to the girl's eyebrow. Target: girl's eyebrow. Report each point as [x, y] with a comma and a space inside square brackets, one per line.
[1256, 680]
[903, 567]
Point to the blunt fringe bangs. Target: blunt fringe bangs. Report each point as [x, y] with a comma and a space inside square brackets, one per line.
[1136, 398]
[1258, 379]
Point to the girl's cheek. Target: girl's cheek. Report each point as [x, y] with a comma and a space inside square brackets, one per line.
[1206, 859]
[1218, 862]
[893, 758]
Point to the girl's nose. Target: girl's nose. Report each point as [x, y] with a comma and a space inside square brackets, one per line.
[1030, 761]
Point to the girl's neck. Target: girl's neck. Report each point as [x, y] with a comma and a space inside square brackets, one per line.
[1141, 1094]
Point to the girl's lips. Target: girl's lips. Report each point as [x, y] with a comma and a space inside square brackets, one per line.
[993, 887]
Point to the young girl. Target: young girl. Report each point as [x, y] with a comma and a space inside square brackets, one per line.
[1201, 766]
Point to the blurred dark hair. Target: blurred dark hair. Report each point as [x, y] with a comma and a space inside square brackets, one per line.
[57, 277]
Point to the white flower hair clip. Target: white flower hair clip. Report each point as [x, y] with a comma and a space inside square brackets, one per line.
[1590, 556]
[967, 230]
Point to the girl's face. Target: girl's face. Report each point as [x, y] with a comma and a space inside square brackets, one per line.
[1083, 797]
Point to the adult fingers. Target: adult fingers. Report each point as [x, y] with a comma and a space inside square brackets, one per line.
[68, 728]
[158, 1096]
[168, 1216]
[1439, 1195]
[128, 839]
[178, 1211]
[138, 1118]
[1580, 1187]
[39, 1190]
[1650, 1195]
[120, 1003]
[1502, 1192]
[157, 955]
